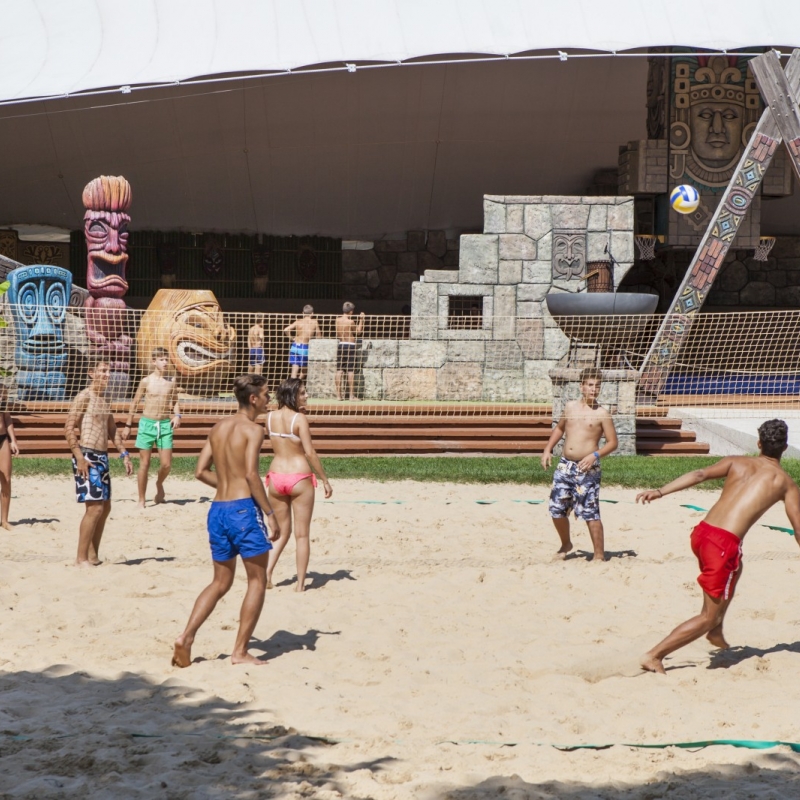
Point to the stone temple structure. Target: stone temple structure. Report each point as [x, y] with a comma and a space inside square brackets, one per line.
[483, 332]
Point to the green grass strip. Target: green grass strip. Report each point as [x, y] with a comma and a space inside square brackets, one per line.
[629, 472]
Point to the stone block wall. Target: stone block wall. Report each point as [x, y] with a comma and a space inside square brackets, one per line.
[743, 282]
[387, 269]
[747, 283]
[531, 246]
[618, 394]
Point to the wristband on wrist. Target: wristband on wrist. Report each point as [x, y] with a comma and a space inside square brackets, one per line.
[660, 493]
[124, 454]
[596, 454]
[269, 513]
[177, 415]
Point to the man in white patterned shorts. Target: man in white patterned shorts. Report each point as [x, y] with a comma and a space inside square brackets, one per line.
[576, 482]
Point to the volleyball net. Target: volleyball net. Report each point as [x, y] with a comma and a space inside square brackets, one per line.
[466, 364]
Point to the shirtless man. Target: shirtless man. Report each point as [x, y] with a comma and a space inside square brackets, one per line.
[235, 521]
[155, 425]
[91, 412]
[576, 481]
[301, 332]
[255, 344]
[752, 486]
[346, 331]
[8, 448]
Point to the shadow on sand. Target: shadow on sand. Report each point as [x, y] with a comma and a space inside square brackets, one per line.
[280, 643]
[722, 659]
[68, 735]
[586, 555]
[773, 774]
[319, 579]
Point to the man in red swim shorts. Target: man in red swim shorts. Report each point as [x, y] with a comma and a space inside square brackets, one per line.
[752, 486]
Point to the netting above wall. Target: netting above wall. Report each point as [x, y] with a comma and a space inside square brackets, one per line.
[397, 364]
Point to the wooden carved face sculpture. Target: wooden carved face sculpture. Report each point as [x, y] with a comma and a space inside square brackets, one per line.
[39, 295]
[105, 225]
[190, 326]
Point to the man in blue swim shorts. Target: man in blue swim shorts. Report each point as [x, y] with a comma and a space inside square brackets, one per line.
[301, 332]
[235, 519]
[255, 344]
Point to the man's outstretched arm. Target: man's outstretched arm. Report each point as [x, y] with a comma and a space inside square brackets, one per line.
[718, 470]
[792, 504]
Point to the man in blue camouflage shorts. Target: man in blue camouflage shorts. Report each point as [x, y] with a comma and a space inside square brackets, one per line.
[576, 481]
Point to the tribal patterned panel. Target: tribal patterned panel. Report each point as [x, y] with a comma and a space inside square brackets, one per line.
[708, 260]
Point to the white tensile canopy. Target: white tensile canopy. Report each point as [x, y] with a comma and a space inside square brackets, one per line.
[56, 47]
[240, 145]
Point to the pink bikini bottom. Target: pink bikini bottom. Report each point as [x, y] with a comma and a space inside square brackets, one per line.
[283, 484]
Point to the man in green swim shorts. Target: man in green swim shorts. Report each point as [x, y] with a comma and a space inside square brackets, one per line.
[156, 427]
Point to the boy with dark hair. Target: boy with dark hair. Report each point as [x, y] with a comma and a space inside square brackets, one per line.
[576, 481]
[155, 425]
[235, 521]
[91, 412]
[752, 486]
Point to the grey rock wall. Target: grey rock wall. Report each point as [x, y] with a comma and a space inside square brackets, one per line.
[389, 269]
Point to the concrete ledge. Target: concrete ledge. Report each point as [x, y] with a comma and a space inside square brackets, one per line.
[735, 436]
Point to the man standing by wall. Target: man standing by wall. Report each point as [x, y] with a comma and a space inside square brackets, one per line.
[301, 332]
[346, 331]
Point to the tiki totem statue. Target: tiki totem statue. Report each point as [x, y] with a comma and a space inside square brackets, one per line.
[189, 325]
[38, 298]
[105, 224]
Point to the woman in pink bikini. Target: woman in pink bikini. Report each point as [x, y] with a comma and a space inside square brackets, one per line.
[290, 480]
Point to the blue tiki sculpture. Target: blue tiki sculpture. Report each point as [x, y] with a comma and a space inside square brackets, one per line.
[39, 296]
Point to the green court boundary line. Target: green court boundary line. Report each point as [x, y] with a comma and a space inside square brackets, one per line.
[746, 744]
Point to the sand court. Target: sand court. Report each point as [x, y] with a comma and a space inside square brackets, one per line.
[436, 648]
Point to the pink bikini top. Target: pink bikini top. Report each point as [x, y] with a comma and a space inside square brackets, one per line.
[289, 435]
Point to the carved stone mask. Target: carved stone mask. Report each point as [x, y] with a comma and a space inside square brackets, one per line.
[212, 258]
[569, 255]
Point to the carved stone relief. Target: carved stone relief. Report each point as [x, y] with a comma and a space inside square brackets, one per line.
[8, 244]
[569, 254]
[714, 108]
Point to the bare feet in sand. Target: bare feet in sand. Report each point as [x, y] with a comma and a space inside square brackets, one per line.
[600, 558]
[561, 553]
[717, 639]
[140, 504]
[182, 653]
[6, 525]
[299, 588]
[269, 583]
[652, 664]
[160, 496]
[248, 659]
[84, 564]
